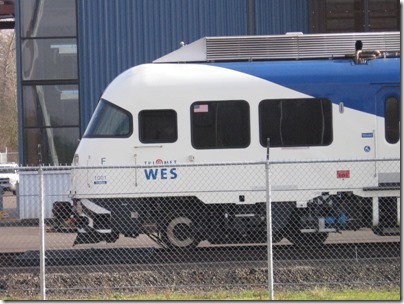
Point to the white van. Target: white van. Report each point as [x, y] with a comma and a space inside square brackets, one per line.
[9, 177]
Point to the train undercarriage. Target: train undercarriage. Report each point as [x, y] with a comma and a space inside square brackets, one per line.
[183, 222]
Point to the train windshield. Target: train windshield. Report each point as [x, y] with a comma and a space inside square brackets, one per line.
[109, 120]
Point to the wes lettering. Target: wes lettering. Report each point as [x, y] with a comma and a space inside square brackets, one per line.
[160, 173]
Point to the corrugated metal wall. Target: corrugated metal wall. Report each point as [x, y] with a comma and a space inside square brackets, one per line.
[116, 35]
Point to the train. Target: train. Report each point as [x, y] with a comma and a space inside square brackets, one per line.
[230, 99]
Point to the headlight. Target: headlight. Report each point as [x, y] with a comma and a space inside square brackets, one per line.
[76, 160]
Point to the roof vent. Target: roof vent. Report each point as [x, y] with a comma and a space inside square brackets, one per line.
[293, 45]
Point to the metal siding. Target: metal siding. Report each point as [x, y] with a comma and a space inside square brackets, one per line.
[281, 16]
[116, 35]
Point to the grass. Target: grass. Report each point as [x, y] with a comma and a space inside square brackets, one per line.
[351, 295]
[315, 294]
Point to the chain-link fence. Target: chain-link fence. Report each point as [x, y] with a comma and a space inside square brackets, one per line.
[72, 232]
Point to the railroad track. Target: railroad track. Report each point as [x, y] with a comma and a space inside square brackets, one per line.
[228, 255]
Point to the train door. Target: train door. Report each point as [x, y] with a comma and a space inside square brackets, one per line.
[386, 199]
[388, 122]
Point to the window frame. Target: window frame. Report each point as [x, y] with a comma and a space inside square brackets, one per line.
[122, 110]
[389, 119]
[157, 141]
[217, 102]
[59, 60]
[329, 124]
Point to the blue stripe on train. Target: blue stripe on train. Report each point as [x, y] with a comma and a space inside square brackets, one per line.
[339, 80]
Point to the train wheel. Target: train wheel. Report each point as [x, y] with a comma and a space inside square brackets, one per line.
[299, 238]
[178, 232]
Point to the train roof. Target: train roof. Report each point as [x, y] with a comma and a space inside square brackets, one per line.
[334, 79]
[288, 46]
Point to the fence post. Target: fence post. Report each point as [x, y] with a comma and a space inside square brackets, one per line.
[269, 228]
[42, 235]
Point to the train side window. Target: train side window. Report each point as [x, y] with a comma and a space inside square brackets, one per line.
[158, 126]
[109, 120]
[296, 122]
[392, 120]
[220, 124]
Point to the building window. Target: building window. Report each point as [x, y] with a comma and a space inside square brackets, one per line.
[48, 18]
[336, 16]
[49, 59]
[158, 126]
[48, 145]
[392, 120]
[295, 122]
[49, 77]
[220, 124]
[50, 105]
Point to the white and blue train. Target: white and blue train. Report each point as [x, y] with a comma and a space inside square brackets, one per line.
[315, 96]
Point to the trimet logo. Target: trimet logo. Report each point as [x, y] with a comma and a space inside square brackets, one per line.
[160, 173]
[160, 162]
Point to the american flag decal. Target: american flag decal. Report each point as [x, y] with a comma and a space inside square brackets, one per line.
[202, 108]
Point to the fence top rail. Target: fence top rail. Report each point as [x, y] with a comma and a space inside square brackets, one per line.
[202, 164]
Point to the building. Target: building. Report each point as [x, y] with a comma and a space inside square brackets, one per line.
[69, 50]
[7, 18]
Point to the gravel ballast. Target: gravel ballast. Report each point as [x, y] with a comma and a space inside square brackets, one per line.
[351, 274]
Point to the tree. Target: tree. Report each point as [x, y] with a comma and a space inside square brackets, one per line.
[8, 92]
